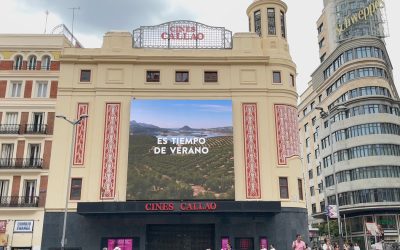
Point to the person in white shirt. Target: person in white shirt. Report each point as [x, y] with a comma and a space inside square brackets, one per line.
[272, 247]
[327, 245]
[356, 246]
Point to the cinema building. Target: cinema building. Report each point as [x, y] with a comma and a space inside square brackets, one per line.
[190, 142]
[29, 72]
[350, 126]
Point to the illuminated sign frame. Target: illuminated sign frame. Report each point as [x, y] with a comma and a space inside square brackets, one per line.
[182, 34]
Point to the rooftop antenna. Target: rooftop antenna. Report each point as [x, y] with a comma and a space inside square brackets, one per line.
[73, 18]
[45, 24]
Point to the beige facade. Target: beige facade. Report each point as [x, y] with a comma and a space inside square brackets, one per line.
[118, 73]
[29, 71]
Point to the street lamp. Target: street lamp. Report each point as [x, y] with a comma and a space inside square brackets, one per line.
[328, 115]
[73, 123]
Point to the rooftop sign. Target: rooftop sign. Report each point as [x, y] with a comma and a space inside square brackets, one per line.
[182, 35]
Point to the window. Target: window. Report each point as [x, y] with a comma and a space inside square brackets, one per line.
[314, 208]
[300, 184]
[312, 106]
[309, 158]
[271, 21]
[283, 25]
[210, 76]
[18, 62]
[283, 188]
[152, 76]
[320, 28]
[315, 136]
[41, 89]
[182, 76]
[85, 75]
[257, 22]
[321, 42]
[46, 62]
[319, 98]
[320, 187]
[312, 191]
[308, 142]
[15, 89]
[7, 152]
[4, 188]
[34, 155]
[306, 127]
[276, 77]
[310, 174]
[292, 80]
[314, 120]
[305, 112]
[319, 169]
[32, 63]
[76, 188]
[322, 58]
[29, 192]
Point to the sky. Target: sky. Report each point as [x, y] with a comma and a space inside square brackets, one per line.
[95, 17]
[179, 113]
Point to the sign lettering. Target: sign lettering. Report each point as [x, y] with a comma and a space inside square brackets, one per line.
[23, 226]
[183, 206]
[362, 14]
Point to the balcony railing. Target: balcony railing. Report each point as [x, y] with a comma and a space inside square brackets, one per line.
[19, 201]
[36, 129]
[24, 163]
[9, 128]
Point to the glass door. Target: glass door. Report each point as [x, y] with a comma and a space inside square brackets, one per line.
[29, 191]
[37, 122]
[34, 155]
[6, 155]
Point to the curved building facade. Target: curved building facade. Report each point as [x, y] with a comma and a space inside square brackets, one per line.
[352, 151]
[188, 143]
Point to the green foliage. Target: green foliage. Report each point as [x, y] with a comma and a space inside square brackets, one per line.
[170, 176]
[333, 226]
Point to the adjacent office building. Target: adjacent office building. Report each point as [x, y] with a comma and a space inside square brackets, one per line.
[349, 123]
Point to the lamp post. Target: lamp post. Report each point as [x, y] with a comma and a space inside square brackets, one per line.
[328, 115]
[73, 123]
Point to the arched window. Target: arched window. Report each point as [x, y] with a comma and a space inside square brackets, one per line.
[18, 62]
[46, 61]
[32, 63]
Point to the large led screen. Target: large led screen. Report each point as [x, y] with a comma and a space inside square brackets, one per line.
[180, 149]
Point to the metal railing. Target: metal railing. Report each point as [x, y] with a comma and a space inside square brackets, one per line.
[9, 128]
[36, 129]
[25, 163]
[19, 201]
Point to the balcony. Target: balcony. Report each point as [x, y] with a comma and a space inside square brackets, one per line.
[21, 163]
[36, 129]
[19, 201]
[9, 128]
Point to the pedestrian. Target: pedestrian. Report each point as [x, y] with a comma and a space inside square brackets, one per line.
[356, 246]
[272, 247]
[228, 246]
[308, 247]
[298, 244]
[327, 244]
[117, 248]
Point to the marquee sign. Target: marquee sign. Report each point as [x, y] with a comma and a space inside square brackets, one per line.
[182, 206]
[182, 35]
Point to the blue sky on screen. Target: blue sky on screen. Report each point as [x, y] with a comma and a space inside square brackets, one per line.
[179, 113]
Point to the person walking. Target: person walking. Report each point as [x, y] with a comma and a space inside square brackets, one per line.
[271, 247]
[298, 244]
[327, 244]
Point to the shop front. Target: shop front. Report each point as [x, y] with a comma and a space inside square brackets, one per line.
[179, 225]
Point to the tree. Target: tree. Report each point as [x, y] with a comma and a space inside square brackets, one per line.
[333, 228]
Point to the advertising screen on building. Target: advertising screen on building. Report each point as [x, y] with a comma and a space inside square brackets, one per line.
[180, 149]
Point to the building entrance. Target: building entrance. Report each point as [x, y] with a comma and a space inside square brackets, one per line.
[180, 237]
